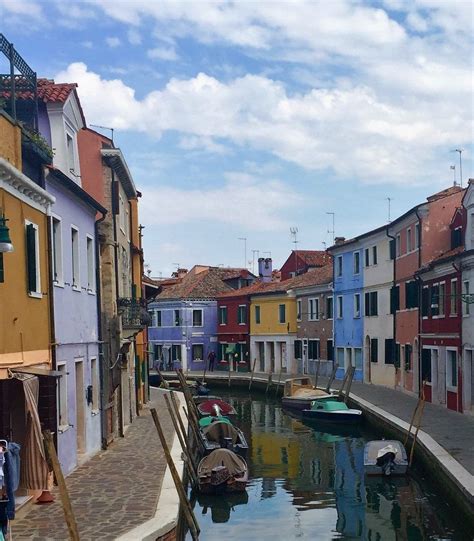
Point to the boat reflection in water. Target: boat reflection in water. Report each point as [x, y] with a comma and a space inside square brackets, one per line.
[221, 506]
[310, 484]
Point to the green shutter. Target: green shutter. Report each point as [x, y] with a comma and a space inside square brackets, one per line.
[31, 257]
[367, 304]
[392, 249]
[2, 275]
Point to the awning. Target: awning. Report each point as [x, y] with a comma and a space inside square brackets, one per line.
[36, 371]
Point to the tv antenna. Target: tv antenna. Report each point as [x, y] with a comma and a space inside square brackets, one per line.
[332, 231]
[294, 234]
[104, 128]
[389, 200]
[460, 151]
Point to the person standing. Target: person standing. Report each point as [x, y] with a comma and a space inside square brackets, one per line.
[211, 359]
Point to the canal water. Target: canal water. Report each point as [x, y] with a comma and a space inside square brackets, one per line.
[309, 483]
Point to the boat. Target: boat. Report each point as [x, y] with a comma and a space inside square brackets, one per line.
[198, 399]
[222, 471]
[300, 392]
[208, 407]
[219, 432]
[333, 411]
[385, 457]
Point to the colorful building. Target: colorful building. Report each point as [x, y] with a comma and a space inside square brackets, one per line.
[300, 261]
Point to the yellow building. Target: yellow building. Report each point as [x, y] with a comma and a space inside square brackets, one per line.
[273, 328]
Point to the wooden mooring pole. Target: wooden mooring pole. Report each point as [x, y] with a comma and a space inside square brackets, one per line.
[269, 382]
[331, 377]
[253, 372]
[58, 474]
[279, 381]
[187, 509]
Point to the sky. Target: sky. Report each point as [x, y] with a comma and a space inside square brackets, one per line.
[245, 119]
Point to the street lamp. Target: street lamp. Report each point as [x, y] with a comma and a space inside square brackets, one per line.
[5, 241]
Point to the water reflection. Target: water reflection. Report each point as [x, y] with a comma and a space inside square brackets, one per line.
[310, 484]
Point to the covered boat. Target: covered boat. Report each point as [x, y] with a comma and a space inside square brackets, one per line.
[208, 407]
[222, 471]
[219, 433]
[385, 457]
[333, 411]
[300, 392]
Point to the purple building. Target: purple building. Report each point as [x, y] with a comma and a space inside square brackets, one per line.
[184, 316]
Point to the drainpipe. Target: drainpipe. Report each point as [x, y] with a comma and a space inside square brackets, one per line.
[103, 426]
[420, 300]
[394, 281]
[460, 386]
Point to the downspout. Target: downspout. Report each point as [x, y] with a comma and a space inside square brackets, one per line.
[394, 281]
[420, 301]
[103, 428]
[460, 386]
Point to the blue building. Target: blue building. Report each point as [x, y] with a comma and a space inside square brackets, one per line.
[184, 316]
[348, 309]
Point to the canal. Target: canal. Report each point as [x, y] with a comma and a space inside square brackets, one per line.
[308, 483]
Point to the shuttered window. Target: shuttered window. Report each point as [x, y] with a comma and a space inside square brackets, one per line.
[374, 350]
[330, 350]
[313, 349]
[257, 314]
[371, 303]
[32, 258]
[282, 313]
[392, 249]
[394, 299]
[411, 294]
[425, 300]
[298, 349]
[389, 351]
[2, 276]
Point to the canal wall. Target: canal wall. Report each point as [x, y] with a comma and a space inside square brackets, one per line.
[445, 471]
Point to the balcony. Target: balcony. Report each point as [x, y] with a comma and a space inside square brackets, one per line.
[134, 314]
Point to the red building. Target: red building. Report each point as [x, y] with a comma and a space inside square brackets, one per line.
[300, 261]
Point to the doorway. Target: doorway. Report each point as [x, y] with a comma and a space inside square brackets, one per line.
[80, 416]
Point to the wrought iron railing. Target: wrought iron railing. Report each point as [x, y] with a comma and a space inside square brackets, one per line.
[134, 313]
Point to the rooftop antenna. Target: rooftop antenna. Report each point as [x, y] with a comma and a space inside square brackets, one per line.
[104, 128]
[389, 199]
[453, 169]
[332, 231]
[460, 151]
[177, 266]
[324, 245]
[294, 234]
[245, 250]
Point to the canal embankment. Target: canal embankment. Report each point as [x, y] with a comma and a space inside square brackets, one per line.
[445, 444]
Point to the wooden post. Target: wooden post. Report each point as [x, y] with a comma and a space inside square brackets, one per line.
[165, 383]
[349, 383]
[331, 377]
[269, 382]
[194, 430]
[188, 512]
[204, 374]
[174, 402]
[189, 462]
[279, 381]
[316, 377]
[228, 381]
[344, 381]
[253, 372]
[58, 474]
[415, 436]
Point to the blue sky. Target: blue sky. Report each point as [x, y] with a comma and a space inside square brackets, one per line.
[243, 119]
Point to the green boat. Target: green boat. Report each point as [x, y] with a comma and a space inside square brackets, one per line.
[332, 410]
[206, 421]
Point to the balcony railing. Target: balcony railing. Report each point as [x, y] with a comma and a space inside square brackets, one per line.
[133, 312]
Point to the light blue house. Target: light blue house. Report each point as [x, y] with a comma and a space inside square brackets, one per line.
[184, 316]
[348, 307]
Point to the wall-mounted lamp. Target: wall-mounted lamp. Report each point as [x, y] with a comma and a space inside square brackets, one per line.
[5, 241]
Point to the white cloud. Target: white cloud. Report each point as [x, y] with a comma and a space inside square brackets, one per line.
[134, 36]
[237, 202]
[87, 44]
[112, 41]
[162, 53]
[207, 144]
[28, 8]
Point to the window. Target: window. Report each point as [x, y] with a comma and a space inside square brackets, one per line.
[371, 303]
[409, 240]
[197, 318]
[374, 350]
[151, 313]
[298, 310]
[75, 257]
[71, 162]
[408, 357]
[394, 299]
[389, 351]
[357, 305]
[358, 358]
[32, 259]
[329, 307]
[374, 255]
[356, 262]
[426, 365]
[222, 315]
[176, 352]
[313, 309]
[451, 368]
[298, 349]
[340, 307]
[417, 236]
[398, 243]
[158, 352]
[454, 297]
[456, 237]
[330, 350]
[425, 301]
[434, 303]
[313, 350]
[177, 319]
[282, 313]
[442, 299]
[257, 314]
[198, 352]
[57, 247]
[411, 294]
[242, 314]
[367, 257]
[95, 385]
[391, 248]
[339, 265]
[466, 298]
[90, 264]
[62, 397]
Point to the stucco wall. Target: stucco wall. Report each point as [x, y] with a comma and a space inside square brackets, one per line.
[269, 315]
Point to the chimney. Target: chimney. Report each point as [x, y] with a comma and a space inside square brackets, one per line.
[339, 240]
[265, 269]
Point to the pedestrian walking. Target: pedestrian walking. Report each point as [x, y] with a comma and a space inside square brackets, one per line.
[211, 359]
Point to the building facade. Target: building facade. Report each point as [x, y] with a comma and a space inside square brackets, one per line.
[300, 261]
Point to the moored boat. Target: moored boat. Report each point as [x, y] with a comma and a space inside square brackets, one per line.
[222, 471]
[208, 407]
[332, 411]
[219, 432]
[300, 392]
[385, 457]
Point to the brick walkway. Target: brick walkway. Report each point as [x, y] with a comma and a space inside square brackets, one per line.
[113, 492]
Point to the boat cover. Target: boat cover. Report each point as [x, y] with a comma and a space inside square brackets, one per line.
[219, 430]
[222, 457]
[387, 449]
[309, 393]
[208, 407]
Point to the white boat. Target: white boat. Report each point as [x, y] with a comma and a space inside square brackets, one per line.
[385, 457]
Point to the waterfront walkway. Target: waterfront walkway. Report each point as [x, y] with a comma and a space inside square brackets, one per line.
[113, 492]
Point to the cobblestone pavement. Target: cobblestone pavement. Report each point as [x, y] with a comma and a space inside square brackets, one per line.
[113, 492]
[452, 430]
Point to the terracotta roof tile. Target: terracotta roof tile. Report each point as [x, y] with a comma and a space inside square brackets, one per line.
[314, 258]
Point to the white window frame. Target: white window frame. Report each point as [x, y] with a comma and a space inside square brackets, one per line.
[453, 299]
[36, 294]
[62, 397]
[357, 314]
[332, 302]
[466, 310]
[257, 310]
[340, 307]
[429, 302]
[366, 257]
[339, 263]
[75, 261]
[192, 352]
[224, 309]
[354, 262]
[313, 315]
[57, 250]
[90, 253]
[156, 317]
[299, 310]
[449, 386]
[174, 317]
[279, 313]
[441, 300]
[72, 168]
[202, 317]
[238, 314]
